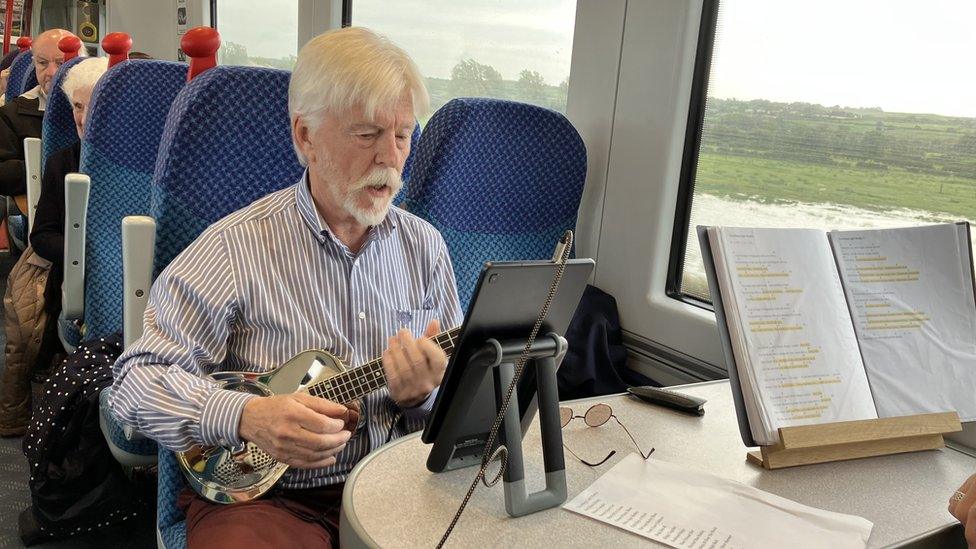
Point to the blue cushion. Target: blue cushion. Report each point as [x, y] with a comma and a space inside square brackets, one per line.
[58, 128]
[128, 111]
[500, 180]
[220, 152]
[22, 76]
[408, 166]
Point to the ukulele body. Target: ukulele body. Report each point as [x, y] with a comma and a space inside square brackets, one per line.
[224, 474]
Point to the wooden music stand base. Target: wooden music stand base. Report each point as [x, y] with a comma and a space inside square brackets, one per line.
[808, 444]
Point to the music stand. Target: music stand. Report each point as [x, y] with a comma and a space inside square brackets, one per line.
[508, 299]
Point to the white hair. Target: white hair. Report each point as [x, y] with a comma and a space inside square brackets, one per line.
[349, 67]
[84, 74]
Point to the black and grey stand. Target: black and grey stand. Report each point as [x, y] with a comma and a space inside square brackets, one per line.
[545, 356]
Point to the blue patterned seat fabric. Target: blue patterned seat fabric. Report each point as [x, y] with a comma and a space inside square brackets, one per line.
[58, 129]
[128, 112]
[500, 180]
[22, 76]
[408, 166]
[220, 151]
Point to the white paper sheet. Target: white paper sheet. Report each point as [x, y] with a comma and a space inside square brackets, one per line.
[792, 337]
[690, 509]
[911, 298]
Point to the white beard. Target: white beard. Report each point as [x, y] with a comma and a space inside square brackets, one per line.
[376, 212]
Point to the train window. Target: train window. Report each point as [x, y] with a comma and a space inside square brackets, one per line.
[256, 34]
[508, 49]
[841, 115]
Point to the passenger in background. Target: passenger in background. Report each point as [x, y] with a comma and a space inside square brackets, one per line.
[47, 234]
[31, 325]
[323, 263]
[21, 117]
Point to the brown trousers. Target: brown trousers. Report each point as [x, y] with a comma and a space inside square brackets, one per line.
[283, 518]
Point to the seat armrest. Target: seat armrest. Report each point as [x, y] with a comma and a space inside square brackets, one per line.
[76, 189]
[138, 245]
[32, 162]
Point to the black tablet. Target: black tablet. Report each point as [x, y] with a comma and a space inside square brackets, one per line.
[508, 299]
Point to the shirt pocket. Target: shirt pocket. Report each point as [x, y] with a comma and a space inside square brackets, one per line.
[415, 320]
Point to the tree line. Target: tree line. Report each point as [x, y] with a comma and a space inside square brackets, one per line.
[469, 78]
[841, 136]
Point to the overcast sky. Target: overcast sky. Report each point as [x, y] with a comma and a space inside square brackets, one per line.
[509, 35]
[900, 55]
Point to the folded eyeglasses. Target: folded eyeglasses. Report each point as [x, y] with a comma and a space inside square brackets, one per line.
[595, 416]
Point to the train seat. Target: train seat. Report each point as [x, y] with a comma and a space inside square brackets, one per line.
[408, 167]
[211, 163]
[525, 164]
[58, 128]
[125, 121]
[22, 76]
[57, 132]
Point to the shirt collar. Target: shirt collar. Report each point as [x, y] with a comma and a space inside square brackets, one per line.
[312, 218]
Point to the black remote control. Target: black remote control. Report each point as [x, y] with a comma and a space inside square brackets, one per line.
[671, 399]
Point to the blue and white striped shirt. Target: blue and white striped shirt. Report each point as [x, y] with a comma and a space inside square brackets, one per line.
[262, 285]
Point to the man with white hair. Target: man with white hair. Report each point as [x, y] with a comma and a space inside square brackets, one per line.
[22, 117]
[326, 263]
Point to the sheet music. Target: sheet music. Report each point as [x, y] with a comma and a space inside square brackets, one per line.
[792, 336]
[689, 509]
[911, 297]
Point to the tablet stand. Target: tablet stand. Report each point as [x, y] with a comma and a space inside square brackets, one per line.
[545, 356]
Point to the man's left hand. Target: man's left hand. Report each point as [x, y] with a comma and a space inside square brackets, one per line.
[414, 367]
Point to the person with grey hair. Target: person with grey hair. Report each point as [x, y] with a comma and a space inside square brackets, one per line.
[324, 263]
[32, 327]
[47, 234]
[22, 117]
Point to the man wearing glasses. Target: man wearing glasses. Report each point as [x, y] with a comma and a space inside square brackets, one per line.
[22, 117]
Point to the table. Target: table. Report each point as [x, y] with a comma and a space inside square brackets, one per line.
[391, 500]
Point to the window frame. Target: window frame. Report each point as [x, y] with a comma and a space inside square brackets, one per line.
[668, 339]
[689, 163]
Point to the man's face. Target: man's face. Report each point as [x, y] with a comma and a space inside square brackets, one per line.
[80, 99]
[360, 160]
[47, 59]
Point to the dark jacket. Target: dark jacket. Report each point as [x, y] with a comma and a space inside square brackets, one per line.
[47, 234]
[18, 119]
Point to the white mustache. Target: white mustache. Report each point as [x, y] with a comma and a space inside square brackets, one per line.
[380, 176]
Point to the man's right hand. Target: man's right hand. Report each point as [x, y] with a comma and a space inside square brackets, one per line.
[297, 429]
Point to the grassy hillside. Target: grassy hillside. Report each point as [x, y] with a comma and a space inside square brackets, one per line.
[782, 152]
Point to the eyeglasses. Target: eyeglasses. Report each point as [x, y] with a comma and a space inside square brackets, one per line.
[595, 416]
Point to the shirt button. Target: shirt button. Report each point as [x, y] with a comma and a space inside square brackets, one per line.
[362, 315]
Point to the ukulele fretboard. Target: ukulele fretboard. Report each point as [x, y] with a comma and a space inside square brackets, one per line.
[355, 384]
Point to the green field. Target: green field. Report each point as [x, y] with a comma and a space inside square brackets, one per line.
[784, 181]
[781, 153]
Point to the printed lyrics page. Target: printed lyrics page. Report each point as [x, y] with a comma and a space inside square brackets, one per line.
[792, 334]
[911, 298]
